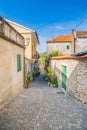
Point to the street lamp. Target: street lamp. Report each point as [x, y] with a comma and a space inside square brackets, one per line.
[27, 41]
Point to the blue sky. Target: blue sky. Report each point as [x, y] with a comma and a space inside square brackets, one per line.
[44, 16]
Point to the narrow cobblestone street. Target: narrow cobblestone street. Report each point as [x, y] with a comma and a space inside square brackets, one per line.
[40, 107]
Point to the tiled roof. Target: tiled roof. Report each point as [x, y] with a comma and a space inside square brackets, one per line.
[81, 33]
[64, 38]
[68, 57]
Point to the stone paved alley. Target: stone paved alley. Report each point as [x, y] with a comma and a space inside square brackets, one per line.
[40, 107]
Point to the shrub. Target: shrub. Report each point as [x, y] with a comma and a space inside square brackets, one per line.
[49, 73]
[29, 77]
[54, 81]
[56, 53]
[43, 57]
[46, 63]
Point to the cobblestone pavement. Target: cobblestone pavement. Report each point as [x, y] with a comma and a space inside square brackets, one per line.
[40, 107]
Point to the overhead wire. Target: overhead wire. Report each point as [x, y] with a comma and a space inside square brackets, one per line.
[70, 12]
[81, 22]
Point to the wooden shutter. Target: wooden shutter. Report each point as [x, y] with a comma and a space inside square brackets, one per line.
[18, 63]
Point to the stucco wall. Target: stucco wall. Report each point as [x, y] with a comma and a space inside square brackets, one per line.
[26, 33]
[76, 76]
[28, 48]
[11, 81]
[58, 46]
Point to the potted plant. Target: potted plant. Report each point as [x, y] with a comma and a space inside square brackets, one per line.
[28, 79]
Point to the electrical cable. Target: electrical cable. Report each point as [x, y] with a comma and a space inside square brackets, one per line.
[81, 22]
[70, 12]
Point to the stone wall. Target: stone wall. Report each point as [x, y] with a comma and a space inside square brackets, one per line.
[59, 46]
[76, 76]
[11, 81]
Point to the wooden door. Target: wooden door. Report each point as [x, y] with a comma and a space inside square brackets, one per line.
[64, 73]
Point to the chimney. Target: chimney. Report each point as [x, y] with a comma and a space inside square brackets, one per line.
[73, 40]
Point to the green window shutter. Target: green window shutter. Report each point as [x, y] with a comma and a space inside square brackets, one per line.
[67, 47]
[18, 63]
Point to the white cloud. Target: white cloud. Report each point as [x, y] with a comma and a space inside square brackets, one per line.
[59, 27]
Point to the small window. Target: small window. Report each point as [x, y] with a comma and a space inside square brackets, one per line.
[67, 47]
[18, 63]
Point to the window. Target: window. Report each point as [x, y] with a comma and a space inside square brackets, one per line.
[18, 63]
[67, 47]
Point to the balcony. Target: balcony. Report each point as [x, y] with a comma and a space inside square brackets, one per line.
[9, 33]
[36, 55]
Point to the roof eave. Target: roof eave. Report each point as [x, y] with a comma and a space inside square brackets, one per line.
[58, 41]
[37, 37]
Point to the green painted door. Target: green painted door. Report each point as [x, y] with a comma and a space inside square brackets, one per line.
[64, 70]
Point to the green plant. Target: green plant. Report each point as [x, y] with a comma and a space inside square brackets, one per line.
[43, 57]
[56, 53]
[49, 73]
[46, 63]
[37, 72]
[54, 81]
[29, 77]
[33, 75]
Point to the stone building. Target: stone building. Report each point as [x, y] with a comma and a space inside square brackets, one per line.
[68, 44]
[72, 74]
[61, 43]
[11, 61]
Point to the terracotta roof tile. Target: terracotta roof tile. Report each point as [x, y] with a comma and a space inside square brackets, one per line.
[81, 33]
[68, 57]
[64, 38]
